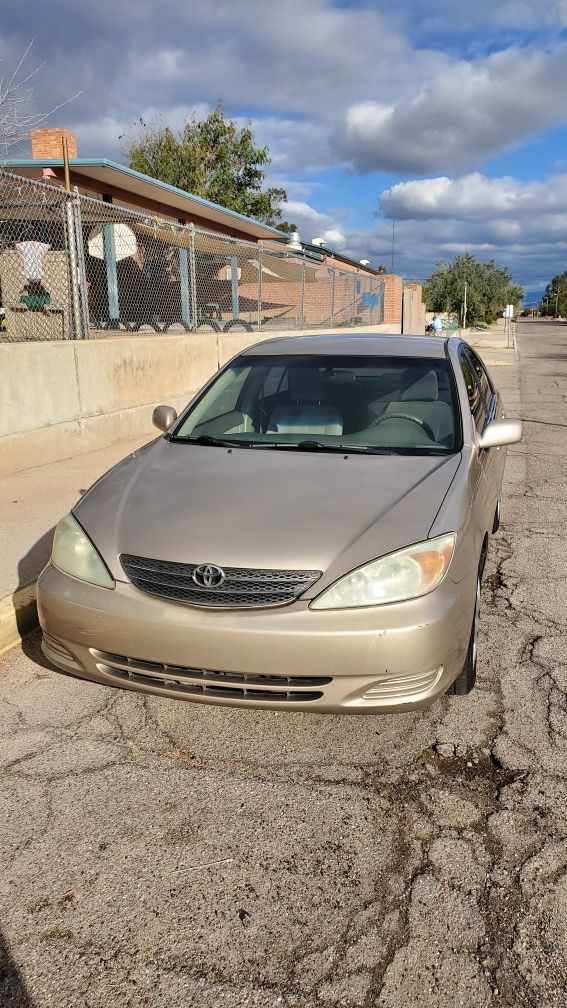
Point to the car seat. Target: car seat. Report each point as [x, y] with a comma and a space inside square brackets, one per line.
[306, 413]
[419, 397]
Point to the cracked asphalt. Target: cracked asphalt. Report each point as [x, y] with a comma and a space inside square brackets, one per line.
[173, 855]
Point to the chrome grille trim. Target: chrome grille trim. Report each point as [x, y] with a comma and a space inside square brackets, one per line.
[204, 682]
[244, 587]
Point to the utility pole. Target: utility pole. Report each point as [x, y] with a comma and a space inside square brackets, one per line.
[465, 307]
[557, 301]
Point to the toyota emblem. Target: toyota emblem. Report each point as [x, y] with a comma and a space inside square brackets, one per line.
[208, 576]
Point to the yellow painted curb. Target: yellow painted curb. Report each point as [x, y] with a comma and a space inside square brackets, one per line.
[18, 617]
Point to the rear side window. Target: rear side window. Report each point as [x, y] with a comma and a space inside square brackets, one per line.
[478, 385]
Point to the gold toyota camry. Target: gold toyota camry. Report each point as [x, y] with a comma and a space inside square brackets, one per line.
[310, 534]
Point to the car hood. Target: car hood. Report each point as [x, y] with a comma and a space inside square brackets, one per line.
[263, 508]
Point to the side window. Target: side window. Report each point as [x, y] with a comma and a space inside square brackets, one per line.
[483, 379]
[474, 391]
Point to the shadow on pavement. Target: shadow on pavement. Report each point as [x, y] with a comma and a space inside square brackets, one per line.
[29, 567]
[13, 991]
[33, 562]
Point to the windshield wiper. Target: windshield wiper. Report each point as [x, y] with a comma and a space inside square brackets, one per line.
[321, 446]
[213, 442]
[307, 445]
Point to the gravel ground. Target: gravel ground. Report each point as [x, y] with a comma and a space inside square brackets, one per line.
[175, 855]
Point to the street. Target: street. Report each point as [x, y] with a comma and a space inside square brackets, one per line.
[176, 855]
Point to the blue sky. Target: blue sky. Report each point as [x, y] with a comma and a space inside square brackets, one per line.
[449, 118]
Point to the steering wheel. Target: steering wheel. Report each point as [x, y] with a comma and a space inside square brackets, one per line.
[406, 416]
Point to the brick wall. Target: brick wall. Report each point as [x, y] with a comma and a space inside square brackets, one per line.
[320, 305]
[393, 293]
[47, 144]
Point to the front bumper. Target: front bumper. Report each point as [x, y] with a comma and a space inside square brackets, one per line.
[399, 657]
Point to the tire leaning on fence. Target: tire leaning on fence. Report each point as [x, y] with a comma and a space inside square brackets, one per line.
[208, 325]
[237, 324]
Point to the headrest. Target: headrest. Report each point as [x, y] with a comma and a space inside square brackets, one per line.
[305, 385]
[419, 385]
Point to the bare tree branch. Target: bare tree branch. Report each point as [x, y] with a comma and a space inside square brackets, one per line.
[17, 115]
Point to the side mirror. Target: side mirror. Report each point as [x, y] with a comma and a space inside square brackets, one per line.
[163, 417]
[500, 432]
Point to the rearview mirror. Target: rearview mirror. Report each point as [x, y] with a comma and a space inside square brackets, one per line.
[501, 432]
[163, 417]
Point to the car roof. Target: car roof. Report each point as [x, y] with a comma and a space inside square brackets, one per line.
[353, 344]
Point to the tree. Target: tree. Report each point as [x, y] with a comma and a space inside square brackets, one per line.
[382, 269]
[17, 117]
[489, 288]
[554, 300]
[212, 158]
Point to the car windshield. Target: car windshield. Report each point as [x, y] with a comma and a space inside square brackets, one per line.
[328, 403]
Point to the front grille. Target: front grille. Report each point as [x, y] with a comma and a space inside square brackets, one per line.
[243, 588]
[205, 682]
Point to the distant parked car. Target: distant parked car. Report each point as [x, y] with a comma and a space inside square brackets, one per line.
[310, 534]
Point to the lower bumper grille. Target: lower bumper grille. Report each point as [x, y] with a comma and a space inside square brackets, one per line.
[57, 653]
[206, 683]
[402, 687]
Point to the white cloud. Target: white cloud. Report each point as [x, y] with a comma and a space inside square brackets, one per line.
[312, 224]
[468, 112]
[329, 84]
[373, 86]
[105, 136]
[476, 197]
[294, 144]
[334, 237]
[523, 225]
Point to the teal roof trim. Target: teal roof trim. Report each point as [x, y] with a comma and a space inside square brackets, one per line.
[103, 163]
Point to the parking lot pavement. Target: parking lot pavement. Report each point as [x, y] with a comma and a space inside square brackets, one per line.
[167, 854]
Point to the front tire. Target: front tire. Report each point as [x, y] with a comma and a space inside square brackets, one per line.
[465, 681]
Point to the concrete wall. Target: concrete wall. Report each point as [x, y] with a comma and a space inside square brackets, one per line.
[59, 399]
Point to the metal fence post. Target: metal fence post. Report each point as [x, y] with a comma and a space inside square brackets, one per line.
[260, 278]
[193, 278]
[111, 274]
[354, 289]
[302, 301]
[234, 287]
[72, 239]
[82, 288]
[185, 295]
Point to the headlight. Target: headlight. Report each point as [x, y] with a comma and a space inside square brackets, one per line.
[398, 577]
[74, 553]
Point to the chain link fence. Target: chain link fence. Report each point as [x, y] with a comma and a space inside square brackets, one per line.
[72, 267]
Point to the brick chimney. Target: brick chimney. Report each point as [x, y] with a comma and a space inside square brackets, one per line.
[47, 144]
